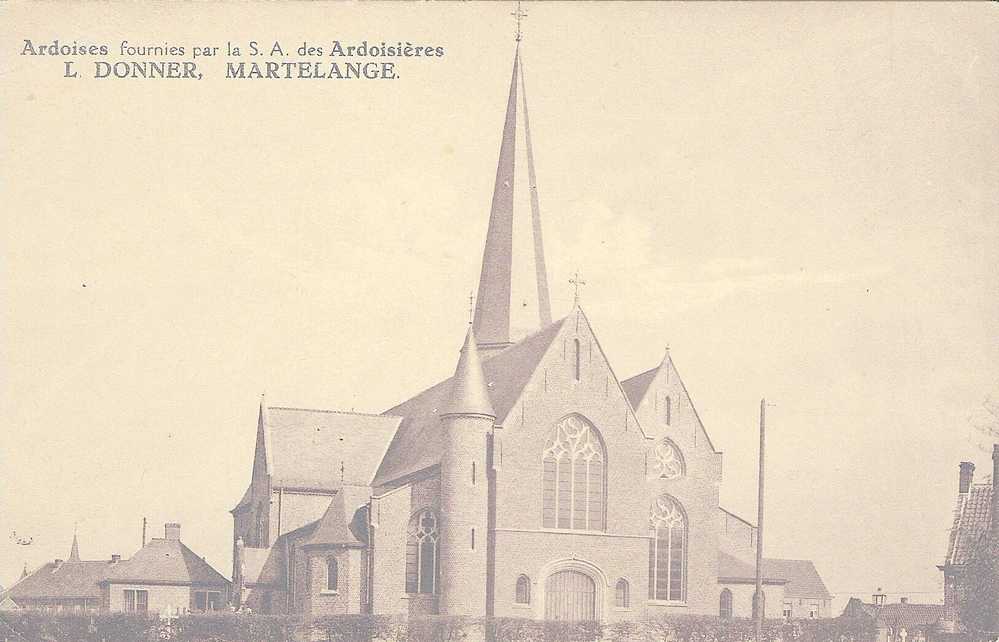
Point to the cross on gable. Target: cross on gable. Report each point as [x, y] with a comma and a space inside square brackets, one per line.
[576, 284]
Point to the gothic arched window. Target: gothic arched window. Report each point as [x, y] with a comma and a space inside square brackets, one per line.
[575, 344]
[523, 590]
[622, 594]
[667, 550]
[667, 462]
[574, 477]
[725, 605]
[669, 410]
[421, 553]
[331, 574]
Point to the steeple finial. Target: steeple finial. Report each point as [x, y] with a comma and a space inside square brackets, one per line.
[469, 393]
[519, 14]
[24, 573]
[74, 551]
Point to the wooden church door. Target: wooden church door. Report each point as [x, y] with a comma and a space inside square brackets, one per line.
[570, 595]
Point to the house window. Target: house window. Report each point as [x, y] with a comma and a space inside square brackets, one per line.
[136, 601]
[725, 605]
[421, 553]
[813, 610]
[622, 594]
[331, 574]
[667, 461]
[573, 479]
[788, 612]
[523, 595]
[667, 550]
[207, 600]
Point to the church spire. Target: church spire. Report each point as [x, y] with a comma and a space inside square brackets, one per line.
[24, 572]
[74, 551]
[493, 303]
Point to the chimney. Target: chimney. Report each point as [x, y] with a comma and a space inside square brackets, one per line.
[879, 598]
[964, 479]
[171, 530]
[115, 558]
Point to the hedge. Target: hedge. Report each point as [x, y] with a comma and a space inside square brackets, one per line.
[35, 626]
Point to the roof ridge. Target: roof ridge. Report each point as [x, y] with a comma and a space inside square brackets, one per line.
[334, 412]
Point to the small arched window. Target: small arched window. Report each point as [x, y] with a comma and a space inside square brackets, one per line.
[523, 590]
[667, 551]
[622, 594]
[669, 410]
[725, 605]
[575, 344]
[574, 465]
[332, 572]
[421, 553]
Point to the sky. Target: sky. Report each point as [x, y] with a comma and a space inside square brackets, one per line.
[800, 200]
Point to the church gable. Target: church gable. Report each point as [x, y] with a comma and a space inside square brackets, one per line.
[665, 409]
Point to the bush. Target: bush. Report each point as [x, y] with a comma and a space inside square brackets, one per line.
[38, 626]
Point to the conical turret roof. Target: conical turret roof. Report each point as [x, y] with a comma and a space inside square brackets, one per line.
[469, 393]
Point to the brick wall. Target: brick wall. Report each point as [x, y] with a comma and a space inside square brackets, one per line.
[622, 550]
[742, 599]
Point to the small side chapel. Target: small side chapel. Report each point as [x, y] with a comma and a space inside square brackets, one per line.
[532, 483]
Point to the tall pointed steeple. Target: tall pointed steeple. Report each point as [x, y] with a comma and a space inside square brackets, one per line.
[74, 551]
[492, 321]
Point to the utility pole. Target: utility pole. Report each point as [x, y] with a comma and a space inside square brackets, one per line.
[758, 600]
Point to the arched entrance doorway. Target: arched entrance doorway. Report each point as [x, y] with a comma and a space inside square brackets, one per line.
[570, 595]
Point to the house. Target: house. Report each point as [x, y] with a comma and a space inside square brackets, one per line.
[164, 576]
[898, 622]
[532, 483]
[973, 529]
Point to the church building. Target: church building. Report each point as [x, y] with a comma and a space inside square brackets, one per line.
[532, 483]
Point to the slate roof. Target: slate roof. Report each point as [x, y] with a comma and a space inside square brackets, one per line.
[165, 561]
[636, 387]
[305, 448]
[910, 616]
[68, 580]
[261, 566]
[335, 528]
[803, 581]
[799, 577]
[417, 442]
[731, 568]
[972, 518]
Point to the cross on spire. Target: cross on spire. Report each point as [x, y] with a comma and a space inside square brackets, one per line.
[576, 284]
[519, 15]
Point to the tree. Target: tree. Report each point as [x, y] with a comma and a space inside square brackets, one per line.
[980, 607]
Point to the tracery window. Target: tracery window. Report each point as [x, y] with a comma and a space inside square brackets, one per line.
[574, 477]
[422, 551]
[523, 590]
[667, 462]
[667, 550]
[622, 594]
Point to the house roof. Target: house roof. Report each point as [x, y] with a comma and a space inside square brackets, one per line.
[306, 448]
[732, 569]
[65, 580]
[417, 442]
[166, 561]
[910, 616]
[803, 581]
[972, 518]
